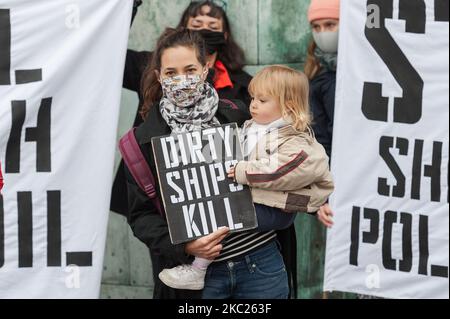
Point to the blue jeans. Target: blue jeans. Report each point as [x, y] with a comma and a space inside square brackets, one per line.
[258, 275]
[270, 218]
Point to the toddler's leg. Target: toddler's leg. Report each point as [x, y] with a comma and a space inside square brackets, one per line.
[186, 277]
[270, 218]
[201, 263]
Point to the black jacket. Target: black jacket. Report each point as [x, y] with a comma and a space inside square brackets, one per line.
[322, 99]
[147, 225]
[135, 65]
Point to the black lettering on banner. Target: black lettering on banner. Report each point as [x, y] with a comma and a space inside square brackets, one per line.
[25, 233]
[53, 228]
[441, 10]
[434, 172]
[414, 14]
[406, 262]
[198, 197]
[370, 237]
[386, 143]
[407, 109]
[424, 252]
[80, 259]
[373, 215]
[390, 218]
[22, 76]
[5, 47]
[41, 134]
[417, 170]
[28, 76]
[439, 271]
[25, 213]
[354, 236]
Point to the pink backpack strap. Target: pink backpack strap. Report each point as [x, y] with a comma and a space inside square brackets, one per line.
[139, 169]
[230, 103]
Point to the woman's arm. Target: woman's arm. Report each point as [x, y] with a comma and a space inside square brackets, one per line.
[135, 65]
[135, 62]
[150, 227]
[136, 5]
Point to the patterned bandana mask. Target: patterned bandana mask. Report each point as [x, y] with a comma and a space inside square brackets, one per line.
[183, 90]
[199, 116]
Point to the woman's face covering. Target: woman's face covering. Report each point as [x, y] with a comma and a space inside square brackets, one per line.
[326, 34]
[205, 22]
[180, 61]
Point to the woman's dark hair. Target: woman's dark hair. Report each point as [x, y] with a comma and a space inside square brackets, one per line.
[171, 38]
[231, 55]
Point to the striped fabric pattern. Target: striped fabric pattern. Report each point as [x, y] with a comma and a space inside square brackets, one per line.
[238, 244]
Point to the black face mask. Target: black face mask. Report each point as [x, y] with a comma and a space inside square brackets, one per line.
[214, 40]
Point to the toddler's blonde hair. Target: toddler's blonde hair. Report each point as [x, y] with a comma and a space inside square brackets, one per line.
[290, 88]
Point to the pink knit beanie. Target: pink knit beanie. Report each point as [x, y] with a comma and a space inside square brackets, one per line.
[323, 9]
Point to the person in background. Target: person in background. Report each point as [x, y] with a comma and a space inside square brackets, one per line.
[226, 58]
[320, 67]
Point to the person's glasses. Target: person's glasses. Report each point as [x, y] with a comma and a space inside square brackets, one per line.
[220, 3]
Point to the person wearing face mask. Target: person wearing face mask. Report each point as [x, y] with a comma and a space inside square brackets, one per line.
[177, 98]
[225, 60]
[320, 67]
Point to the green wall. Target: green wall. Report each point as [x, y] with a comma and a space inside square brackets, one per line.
[271, 32]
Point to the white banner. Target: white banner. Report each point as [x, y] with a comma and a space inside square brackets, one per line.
[390, 151]
[61, 71]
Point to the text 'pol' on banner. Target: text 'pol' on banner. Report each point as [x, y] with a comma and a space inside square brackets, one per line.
[61, 70]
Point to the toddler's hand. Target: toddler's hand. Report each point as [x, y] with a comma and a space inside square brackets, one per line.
[325, 216]
[232, 173]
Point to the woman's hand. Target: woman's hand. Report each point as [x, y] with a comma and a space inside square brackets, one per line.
[325, 215]
[207, 247]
